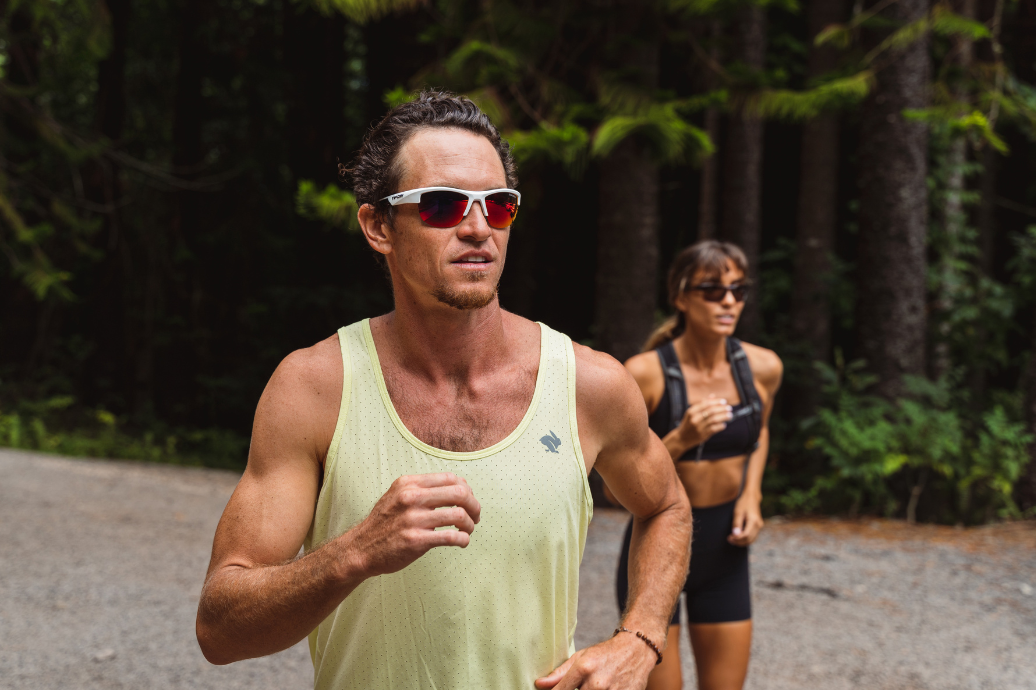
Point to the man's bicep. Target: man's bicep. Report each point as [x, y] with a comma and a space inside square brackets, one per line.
[270, 511]
[630, 458]
[641, 477]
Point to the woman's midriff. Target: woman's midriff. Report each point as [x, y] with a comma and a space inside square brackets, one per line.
[712, 482]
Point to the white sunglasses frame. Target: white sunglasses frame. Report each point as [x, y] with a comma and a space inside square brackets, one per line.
[413, 196]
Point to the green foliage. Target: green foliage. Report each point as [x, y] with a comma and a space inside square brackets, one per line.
[332, 205]
[711, 7]
[398, 96]
[945, 22]
[100, 434]
[974, 125]
[670, 138]
[483, 63]
[567, 145]
[882, 455]
[362, 11]
[797, 106]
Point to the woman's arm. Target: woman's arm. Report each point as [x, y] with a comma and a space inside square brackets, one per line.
[767, 369]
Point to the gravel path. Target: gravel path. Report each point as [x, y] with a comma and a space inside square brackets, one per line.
[101, 563]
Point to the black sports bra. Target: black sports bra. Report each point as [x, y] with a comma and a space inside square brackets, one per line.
[740, 437]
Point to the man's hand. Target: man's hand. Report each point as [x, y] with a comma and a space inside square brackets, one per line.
[748, 520]
[620, 663]
[704, 419]
[403, 524]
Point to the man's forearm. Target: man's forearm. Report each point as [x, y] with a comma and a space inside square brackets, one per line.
[247, 612]
[659, 554]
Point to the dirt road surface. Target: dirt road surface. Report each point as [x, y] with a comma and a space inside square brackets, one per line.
[101, 563]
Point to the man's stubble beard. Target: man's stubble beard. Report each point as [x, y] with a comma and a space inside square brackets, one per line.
[465, 300]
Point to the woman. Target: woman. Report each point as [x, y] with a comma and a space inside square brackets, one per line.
[709, 397]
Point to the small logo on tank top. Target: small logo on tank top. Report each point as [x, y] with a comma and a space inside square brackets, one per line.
[552, 442]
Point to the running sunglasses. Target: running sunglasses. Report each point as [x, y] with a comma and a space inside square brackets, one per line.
[446, 207]
[714, 292]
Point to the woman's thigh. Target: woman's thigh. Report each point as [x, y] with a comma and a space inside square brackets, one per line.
[668, 675]
[721, 652]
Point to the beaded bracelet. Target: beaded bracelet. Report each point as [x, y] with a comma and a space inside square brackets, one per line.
[642, 636]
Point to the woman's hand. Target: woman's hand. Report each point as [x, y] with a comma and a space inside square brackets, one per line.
[704, 419]
[748, 520]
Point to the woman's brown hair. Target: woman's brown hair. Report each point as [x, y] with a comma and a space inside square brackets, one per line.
[711, 258]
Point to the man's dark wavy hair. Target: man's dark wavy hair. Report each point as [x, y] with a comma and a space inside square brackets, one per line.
[376, 171]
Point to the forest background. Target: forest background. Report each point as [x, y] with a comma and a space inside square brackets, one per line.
[172, 225]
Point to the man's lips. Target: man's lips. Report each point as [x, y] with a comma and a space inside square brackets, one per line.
[473, 260]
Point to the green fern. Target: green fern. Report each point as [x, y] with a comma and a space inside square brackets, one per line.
[796, 106]
[568, 145]
[363, 11]
[670, 138]
[478, 62]
[333, 205]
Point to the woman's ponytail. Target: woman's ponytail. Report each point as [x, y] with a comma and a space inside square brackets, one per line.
[669, 331]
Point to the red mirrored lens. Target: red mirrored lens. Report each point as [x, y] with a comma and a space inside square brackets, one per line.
[442, 209]
[501, 208]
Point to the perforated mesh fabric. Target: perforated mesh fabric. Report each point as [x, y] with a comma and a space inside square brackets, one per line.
[501, 612]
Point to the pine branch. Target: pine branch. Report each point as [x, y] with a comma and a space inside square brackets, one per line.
[363, 11]
[669, 137]
[797, 106]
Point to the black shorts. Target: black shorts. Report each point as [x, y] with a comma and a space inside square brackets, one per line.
[717, 582]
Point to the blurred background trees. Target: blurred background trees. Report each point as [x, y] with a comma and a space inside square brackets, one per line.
[171, 222]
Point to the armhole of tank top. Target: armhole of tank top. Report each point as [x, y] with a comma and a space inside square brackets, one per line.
[343, 407]
[573, 426]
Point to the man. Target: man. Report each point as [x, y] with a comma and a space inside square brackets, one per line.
[433, 460]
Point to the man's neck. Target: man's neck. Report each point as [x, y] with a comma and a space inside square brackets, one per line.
[441, 342]
[702, 351]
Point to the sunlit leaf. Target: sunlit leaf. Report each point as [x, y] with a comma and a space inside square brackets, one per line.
[332, 205]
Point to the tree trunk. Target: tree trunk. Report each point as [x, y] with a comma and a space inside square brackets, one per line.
[817, 214]
[395, 55]
[1025, 70]
[186, 226]
[708, 198]
[111, 74]
[314, 54]
[628, 216]
[102, 187]
[891, 268]
[627, 250]
[743, 165]
[1025, 490]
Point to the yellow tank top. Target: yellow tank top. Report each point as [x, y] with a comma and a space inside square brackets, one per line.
[496, 615]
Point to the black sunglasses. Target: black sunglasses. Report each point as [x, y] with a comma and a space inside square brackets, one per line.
[714, 292]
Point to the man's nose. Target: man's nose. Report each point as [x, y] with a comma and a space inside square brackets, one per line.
[474, 226]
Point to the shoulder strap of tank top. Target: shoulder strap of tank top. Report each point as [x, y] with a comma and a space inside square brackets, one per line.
[675, 387]
[744, 381]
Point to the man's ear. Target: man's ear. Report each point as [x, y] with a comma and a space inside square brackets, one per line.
[375, 229]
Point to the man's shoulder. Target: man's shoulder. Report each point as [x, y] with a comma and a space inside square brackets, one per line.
[296, 415]
[604, 387]
[596, 368]
[310, 373]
